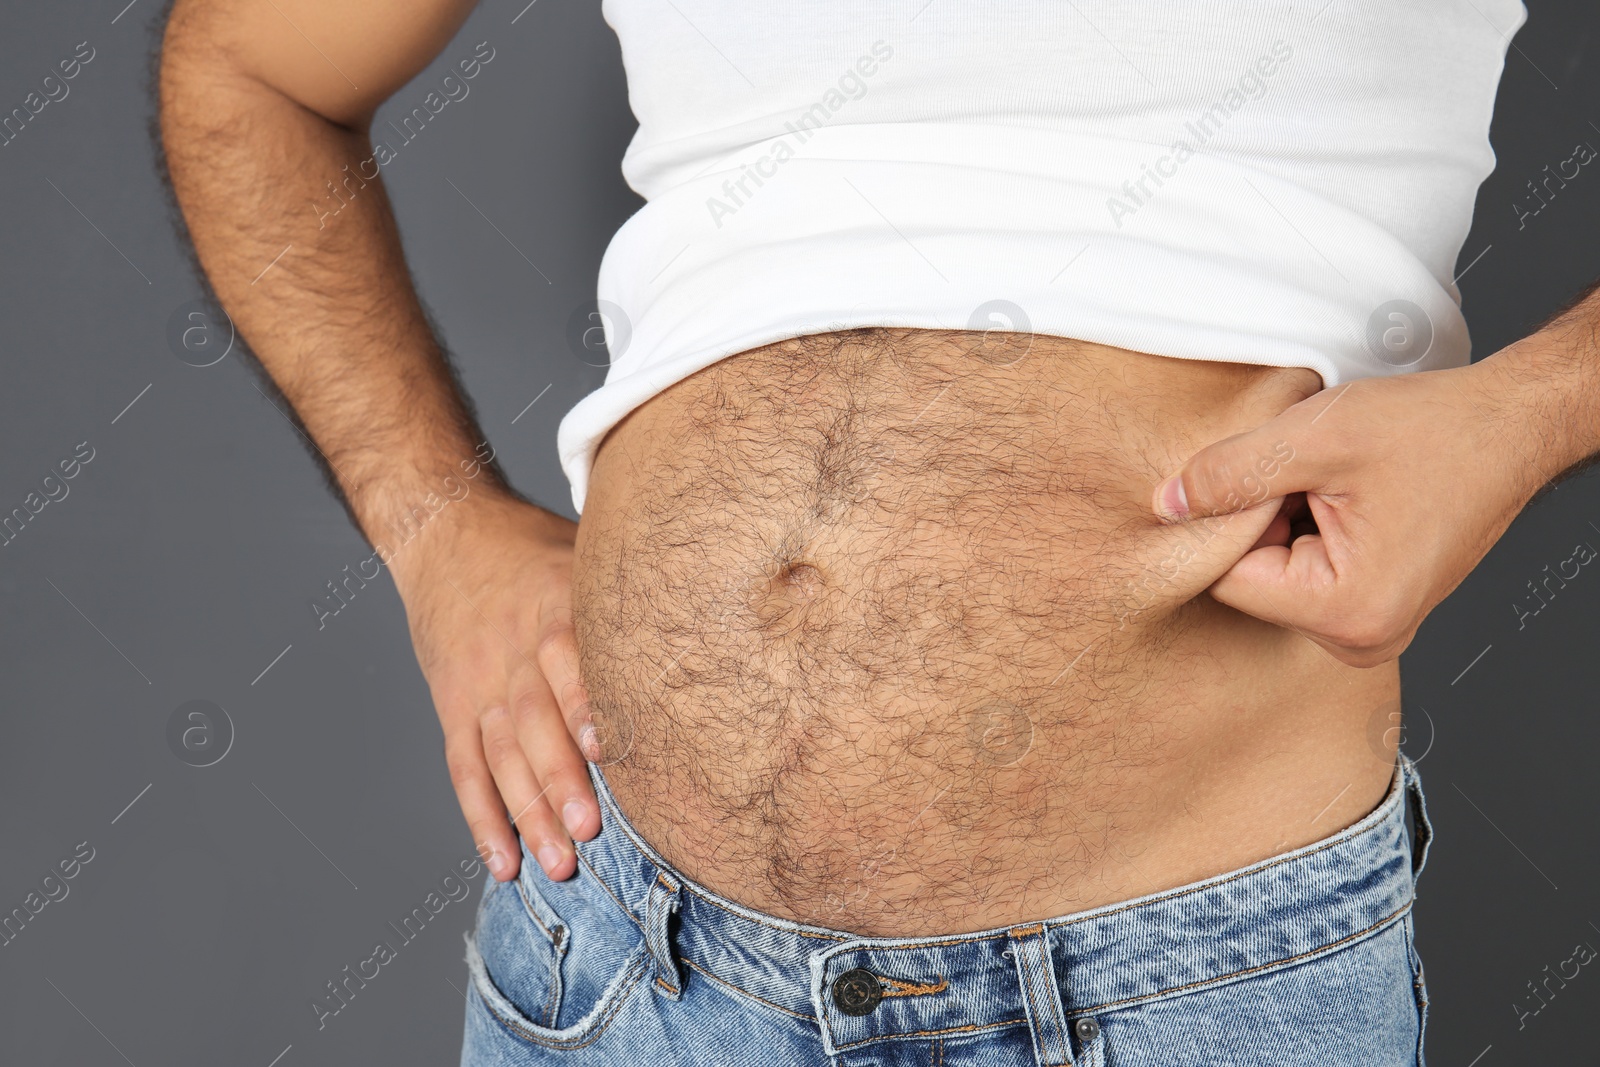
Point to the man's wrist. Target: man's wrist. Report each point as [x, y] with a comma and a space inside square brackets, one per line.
[465, 528]
[417, 500]
[1546, 389]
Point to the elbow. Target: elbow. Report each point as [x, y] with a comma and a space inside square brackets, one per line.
[193, 75]
[213, 77]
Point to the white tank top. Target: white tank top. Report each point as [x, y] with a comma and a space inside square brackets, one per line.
[1261, 182]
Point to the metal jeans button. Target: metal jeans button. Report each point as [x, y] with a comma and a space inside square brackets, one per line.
[857, 992]
[1087, 1029]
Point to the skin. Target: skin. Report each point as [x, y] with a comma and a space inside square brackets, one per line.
[255, 119]
[995, 690]
[1410, 479]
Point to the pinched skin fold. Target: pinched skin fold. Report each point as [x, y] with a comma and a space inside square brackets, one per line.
[891, 641]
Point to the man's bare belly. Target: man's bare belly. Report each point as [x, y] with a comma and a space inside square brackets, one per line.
[884, 636]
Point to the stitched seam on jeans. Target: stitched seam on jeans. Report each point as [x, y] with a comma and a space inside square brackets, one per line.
[886, 945]
[609, 893]
[602, 883]
[588, 1037]
[550, 1005]
[528, 906]
[1037, 991]
[1031, 990]
[968, 1029]
[1033, 1007]
[900, 988]
[653, 908]
[1358, 935]
[745, 992]
[661, 979]
[1212, 885]
[1048, 990]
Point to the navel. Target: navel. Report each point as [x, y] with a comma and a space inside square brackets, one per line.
[789, 594]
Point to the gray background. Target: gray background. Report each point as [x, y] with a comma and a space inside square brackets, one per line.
[181, 564]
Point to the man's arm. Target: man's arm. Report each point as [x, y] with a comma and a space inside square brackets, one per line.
[1552, 377]
[265, 109]
[1409, 480]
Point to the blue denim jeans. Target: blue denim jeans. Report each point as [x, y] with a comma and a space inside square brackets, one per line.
[1306, 958]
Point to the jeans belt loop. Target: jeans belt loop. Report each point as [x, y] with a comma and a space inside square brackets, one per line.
[659, 906]
[1422, 829]
[1041, 996]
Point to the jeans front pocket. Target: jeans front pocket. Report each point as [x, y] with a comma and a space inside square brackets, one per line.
[522, 942]
[553, 962]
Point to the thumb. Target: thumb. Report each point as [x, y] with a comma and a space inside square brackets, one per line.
[1236, 473]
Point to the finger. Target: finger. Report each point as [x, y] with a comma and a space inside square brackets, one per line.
[557, 656]
[480, 801]
[1294, 587]
[1279, 530]
[553, 755]
[1315, 586]
[1184, 559]
[1287, 585]
[1294, 581]
[1269, 462]
[521, 793]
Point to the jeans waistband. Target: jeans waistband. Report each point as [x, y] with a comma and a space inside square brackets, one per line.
[1290, 908]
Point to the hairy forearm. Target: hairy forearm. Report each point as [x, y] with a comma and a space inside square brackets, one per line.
[1549, 387]
[324, 301]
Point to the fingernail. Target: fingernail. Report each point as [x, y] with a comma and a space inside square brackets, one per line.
[498, 864]
[549, 857]
[587, 742]
[574, 813]
[1173, 501]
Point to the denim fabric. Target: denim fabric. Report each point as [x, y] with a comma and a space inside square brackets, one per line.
[1306, 958]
